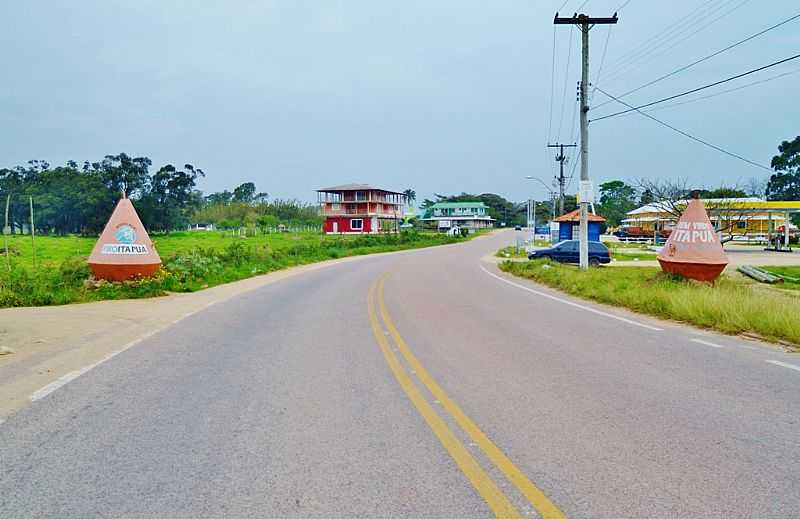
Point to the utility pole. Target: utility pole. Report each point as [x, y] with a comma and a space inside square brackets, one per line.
[561, 159]
[585, 23]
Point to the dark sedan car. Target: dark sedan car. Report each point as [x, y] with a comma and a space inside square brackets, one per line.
[568, 252]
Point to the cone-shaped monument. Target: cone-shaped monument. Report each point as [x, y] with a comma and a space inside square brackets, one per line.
[693, 249]
[124, 250]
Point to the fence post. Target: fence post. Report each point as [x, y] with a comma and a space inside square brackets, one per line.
[7, 231]
[33, 236]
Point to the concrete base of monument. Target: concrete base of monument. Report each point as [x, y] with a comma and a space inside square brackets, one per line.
[698, 271]
[112, 272]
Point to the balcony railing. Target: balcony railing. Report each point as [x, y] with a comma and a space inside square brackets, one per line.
[362, 211]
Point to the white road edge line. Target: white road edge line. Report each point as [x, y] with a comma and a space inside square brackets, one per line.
[706, 343]
[784, 364]
[570, 303]
[72, 375]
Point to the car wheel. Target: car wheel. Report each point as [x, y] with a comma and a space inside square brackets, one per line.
[594, 262]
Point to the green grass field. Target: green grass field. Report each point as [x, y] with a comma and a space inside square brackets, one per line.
[791, 276]
[190, 261]
[731, 305]
[53, 250]
[633, 256]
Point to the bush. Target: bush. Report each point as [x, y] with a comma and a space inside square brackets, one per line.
[74, 270]
[194, 265]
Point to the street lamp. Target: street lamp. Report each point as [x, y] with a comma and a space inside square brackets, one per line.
[550, 191]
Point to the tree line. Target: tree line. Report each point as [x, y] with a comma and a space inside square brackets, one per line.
[79, 198]
[246, 207]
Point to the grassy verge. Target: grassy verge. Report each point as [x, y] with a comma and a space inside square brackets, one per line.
[791, 277]
[729, 306]
[512, 252]
[191, 261]
[633, 256]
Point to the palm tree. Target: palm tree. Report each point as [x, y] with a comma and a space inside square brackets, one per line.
[411, 195]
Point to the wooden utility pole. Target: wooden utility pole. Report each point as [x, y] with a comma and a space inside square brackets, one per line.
[561, 158]
[585, 23]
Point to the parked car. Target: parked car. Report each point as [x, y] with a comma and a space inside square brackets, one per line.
[569, 252]
[517, 227]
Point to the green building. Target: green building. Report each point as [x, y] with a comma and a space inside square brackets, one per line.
[464, 215]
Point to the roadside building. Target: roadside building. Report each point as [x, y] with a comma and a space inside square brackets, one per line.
[741, 219]
[569, 226]
[464, 215]
[202, 226]
[360, 209]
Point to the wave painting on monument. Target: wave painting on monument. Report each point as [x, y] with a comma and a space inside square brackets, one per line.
[693, 250]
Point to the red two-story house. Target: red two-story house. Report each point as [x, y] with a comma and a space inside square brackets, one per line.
[360, 209]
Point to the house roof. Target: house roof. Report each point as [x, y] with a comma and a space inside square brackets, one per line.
[575, 216]
[453, 205]
[665, 207]
[355, 187]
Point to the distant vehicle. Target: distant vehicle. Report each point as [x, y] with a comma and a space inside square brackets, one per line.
[517, 227]
[568, 252]
[638, 232]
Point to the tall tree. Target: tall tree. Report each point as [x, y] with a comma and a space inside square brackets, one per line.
[785, 183]
[244, 193]
[616, 199]
[722, 192]
[124, 173]
[171, 197]
[411, 196]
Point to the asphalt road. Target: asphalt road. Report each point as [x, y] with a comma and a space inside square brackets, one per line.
[422, 384]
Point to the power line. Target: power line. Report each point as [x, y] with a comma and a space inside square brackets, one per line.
[620, 8]
[603, 59]
[552, 84]
[754, 83]
[705, 58]
[566, 77]
[650, 42]
[683, 33]
[685, 134]
[753, 71]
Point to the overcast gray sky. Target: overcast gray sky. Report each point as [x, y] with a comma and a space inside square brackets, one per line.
[440, 96]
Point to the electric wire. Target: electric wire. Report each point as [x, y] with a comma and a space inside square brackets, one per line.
[552, 84]
[705, 58]
[754, 83]
[674, 39]
[686, 134]
[698, 89]
[566, 78]
[650, 42]
[620, 8]
[655, 52]
[602, 60]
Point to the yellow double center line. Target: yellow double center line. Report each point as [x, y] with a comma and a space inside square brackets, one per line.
[498, 502]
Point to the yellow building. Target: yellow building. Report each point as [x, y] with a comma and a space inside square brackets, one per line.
[746, 219]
